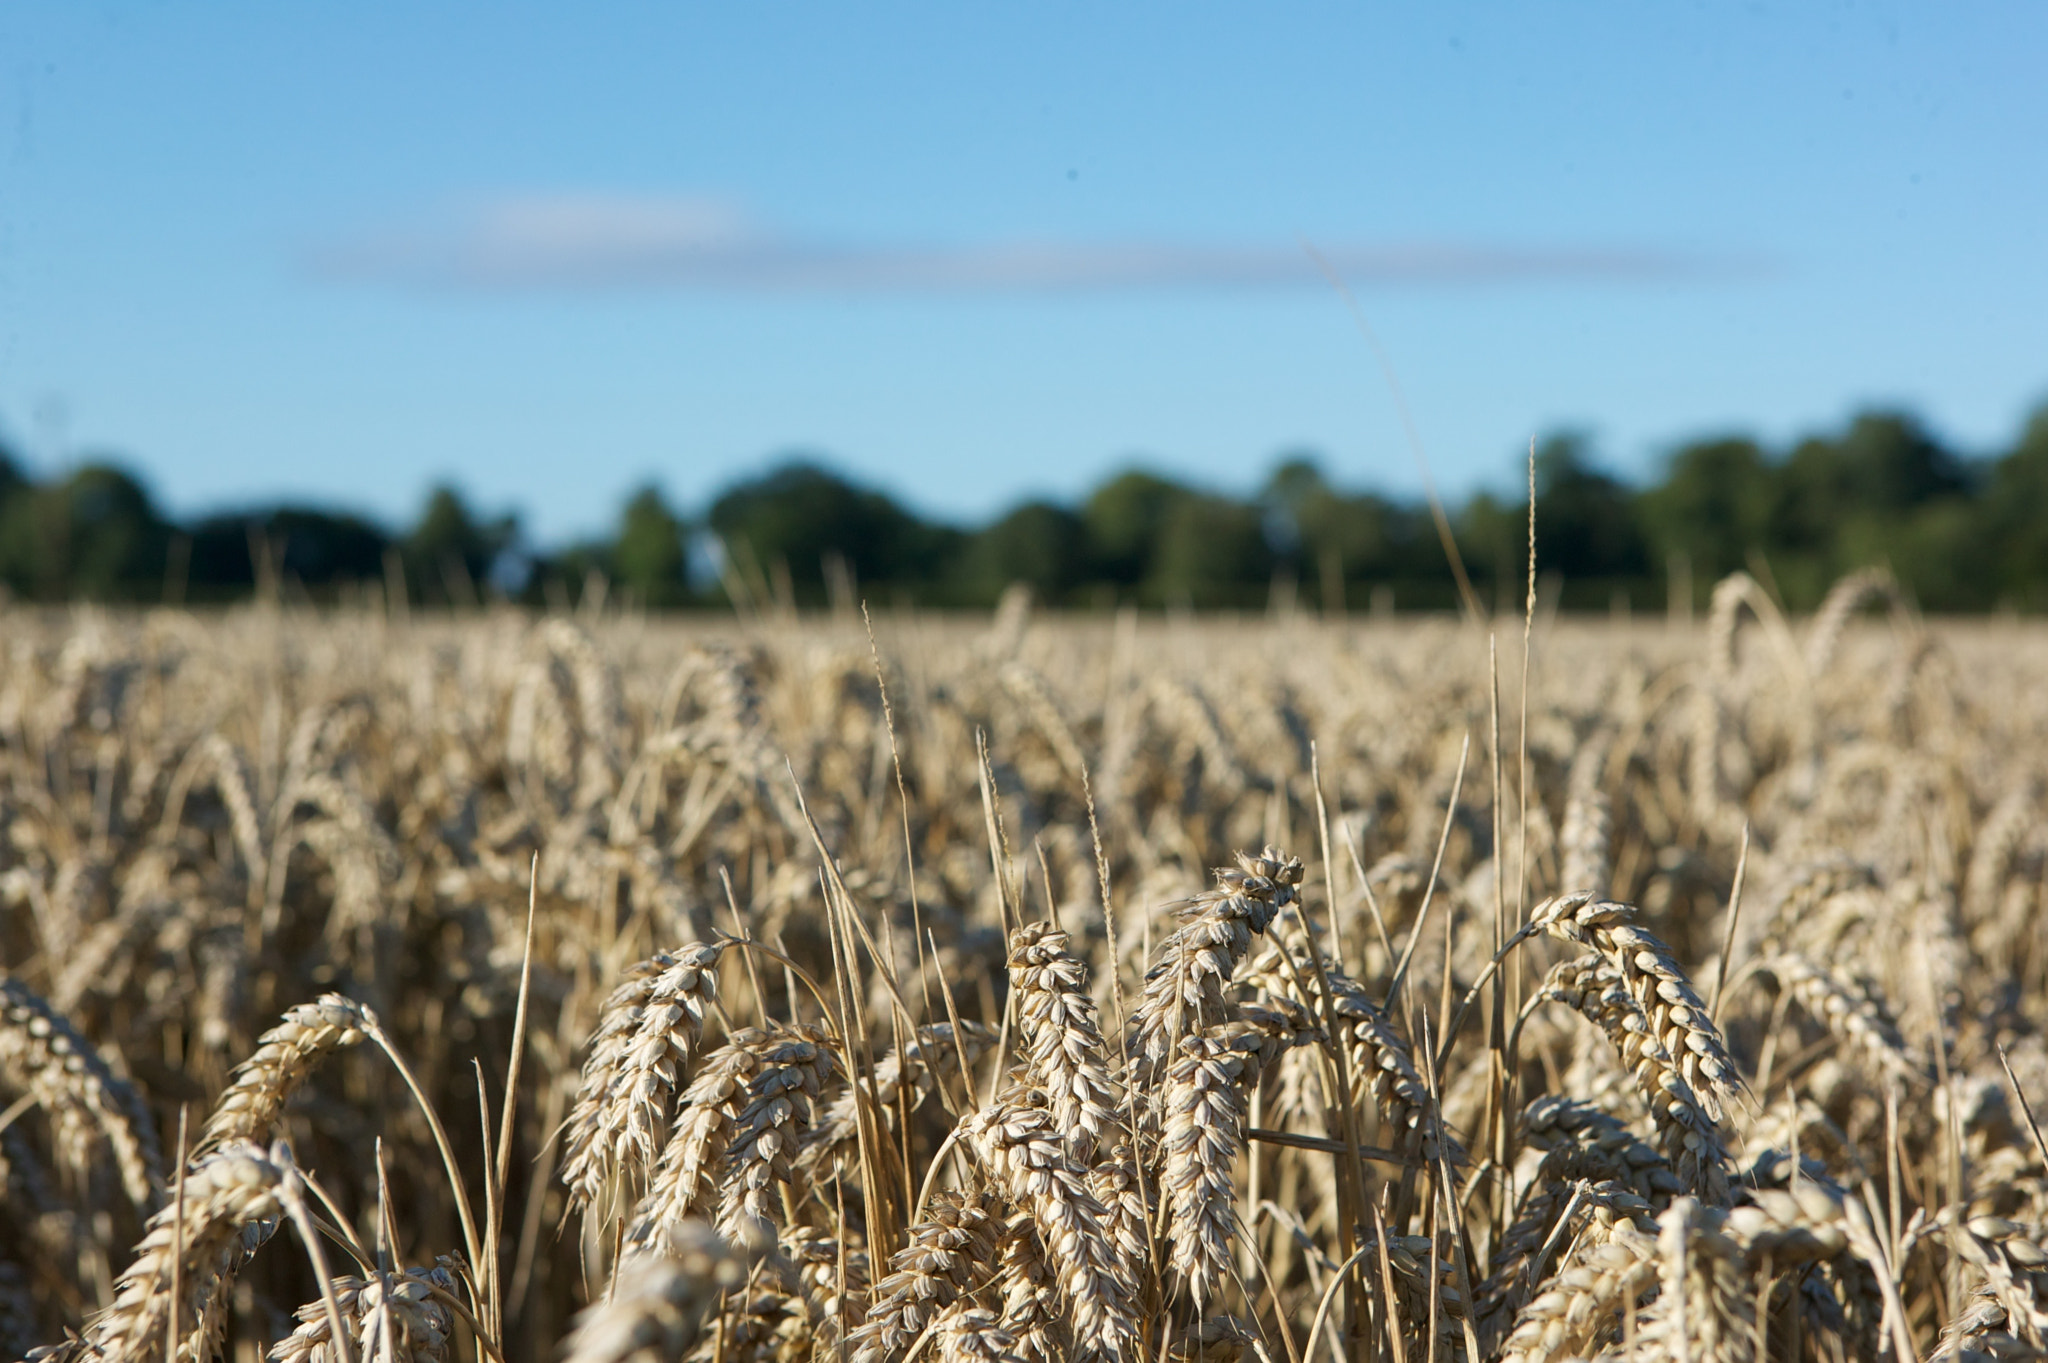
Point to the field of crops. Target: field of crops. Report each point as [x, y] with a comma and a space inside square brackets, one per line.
[1030, 988]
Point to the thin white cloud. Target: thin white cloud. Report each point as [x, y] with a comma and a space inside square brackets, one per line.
[583, 241]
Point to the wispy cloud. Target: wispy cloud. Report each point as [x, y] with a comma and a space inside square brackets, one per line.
[597, 241]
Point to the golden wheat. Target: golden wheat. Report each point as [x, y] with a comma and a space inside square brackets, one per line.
[879, 997]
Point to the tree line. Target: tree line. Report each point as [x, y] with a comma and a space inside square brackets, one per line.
[1961, 533]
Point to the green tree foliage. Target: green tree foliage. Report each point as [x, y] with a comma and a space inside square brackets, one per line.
[651, 551]
[1342, 545]
[1959, 535]
[792, 519]
[1124, 519]
[1041, 544]
[1586, 526]
[305, 546]
[1843, 502]
[12, 479]
[2016, 528]
[450, 553]
[1712, 507]
[95, 535]
[1211, 551]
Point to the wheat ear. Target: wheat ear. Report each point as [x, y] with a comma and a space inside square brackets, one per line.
[1661, 989]
[41, 1054]
[645, 1031]
[792, 1063]
[1184, 990]
[655, 1304]
[236, 1186]
[905, 1077]
[389, 1317]
[1560, 1211]
[1062, 1035]
[1208, 1093]
[971, 1334]
[1379, 1057]
[1691, 1135]
[1848, 1015]
[950, 1250]
[1588, 831]
[253, 1103]
[744, 1103]
[1031, 1305]
[1704, 1311]
[1027, 1153]
[1583, 1303]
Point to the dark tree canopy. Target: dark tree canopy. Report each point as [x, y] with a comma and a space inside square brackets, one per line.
[1125, 518]
[1041, 544]
[303, 545]
[651, 552]
[1713, 506]
[1959, 533]
[95, 536]
[450, 553]
[793, 518]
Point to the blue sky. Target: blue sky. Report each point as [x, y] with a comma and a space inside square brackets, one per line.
[978, 252]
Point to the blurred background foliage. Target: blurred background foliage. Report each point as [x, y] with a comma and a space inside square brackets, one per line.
[1962, 534]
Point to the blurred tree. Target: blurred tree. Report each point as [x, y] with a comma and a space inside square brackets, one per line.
[1959, 535]
[12, 479]
[1211, 552]
[326, 547]
[2015, 518]
[450, 553]
[1586, 524]
[1361, 538]
[650, 553]
[1587, 531]
[95, 536]
[1937, 551]
[1039, 543]
[1125, 517]
[1712, 508]
[1891, 463]
[319, 549]
[1295, 485]
[1840, 502]
[800, 512]
[1493, 536]
[558, 580]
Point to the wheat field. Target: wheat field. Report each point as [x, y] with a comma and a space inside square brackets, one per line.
[1031, 988]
